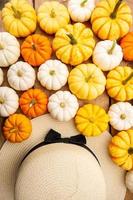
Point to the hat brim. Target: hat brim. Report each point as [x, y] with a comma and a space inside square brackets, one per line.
[11, 156]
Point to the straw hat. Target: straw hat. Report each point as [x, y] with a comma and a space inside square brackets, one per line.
[56, 168]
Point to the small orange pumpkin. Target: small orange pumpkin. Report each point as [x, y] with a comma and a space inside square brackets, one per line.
[33, 103]
[127, 46]
[17, 128]
[36, 49]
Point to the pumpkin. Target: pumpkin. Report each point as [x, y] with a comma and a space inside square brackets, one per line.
[9, 49]
[52, 16]
[33, 103]
[21, 76]
[91, 120]
[129, 181]
[63, 105]
[17, 128]
[53, 74]
[36, 49]
[127, 46]
[107, 55]
[121, 116]
[120, 83]
[8, 101]
[111, 19]
[86, 81]
[1, 76]
[80, 10]
[121, 149]
[19, 18]
[74, 44]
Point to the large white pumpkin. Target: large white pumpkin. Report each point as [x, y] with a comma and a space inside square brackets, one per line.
[121, 116]
[80, 10]
[1, 77]
[63, 105]
[9, 101]
[53, 74]
[9, 49]
[107, 55]
[21, 76]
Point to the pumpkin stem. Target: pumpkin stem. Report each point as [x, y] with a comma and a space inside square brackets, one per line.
[123, 116]
[32, 103]
[33, 46]
[13, 130]
[53, 13]
[130, 150]
[62, 105]
[112, 48]
[1, 101]
[17, 13]
[73, 40]
[83, 3]
[1, 46]
[52, 72]
[128, 78]
[113, 14]
[20, 73]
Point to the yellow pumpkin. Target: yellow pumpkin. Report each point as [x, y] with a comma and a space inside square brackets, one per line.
[74, 44]
[111, 19]
[120, 83]
[52, 16]
[91, 120]
[87, 81]
[19, 18]
[121, 149]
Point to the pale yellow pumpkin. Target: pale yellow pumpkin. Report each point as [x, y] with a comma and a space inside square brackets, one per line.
[52, 15]
[87, 81]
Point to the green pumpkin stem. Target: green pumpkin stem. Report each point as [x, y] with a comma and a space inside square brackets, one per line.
[113, 14]
[53, 13]
[130, 150]
[83, 3]
[73, 40]
[17, 13]
[1, 100]
[112, 48]
[128, 78]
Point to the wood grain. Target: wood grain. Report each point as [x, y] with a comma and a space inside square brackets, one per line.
[102, 100]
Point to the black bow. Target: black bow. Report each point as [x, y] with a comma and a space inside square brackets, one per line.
[55, 137]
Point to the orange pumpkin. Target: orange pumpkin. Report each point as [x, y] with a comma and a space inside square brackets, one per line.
[17, 128]
[127, 46]
[36, 49]
[33, 103]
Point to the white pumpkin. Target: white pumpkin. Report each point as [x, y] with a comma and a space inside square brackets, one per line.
[1, 77]
[63, 105]
[21, 76]
[80, 10]
[53, 74]
[107, 55]
[129, 181]
[9, 101]
[9, 49]
[121, 116]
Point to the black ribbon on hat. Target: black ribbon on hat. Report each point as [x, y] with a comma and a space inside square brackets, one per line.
[55, 137]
